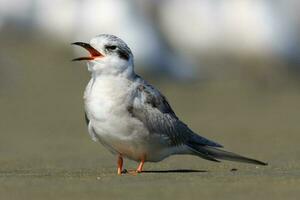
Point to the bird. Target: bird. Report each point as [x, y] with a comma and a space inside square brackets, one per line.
[132, 118]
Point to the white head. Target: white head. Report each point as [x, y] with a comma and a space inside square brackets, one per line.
[108, 55]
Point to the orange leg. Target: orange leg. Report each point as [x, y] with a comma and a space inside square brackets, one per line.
[140, 167]
[120, 165]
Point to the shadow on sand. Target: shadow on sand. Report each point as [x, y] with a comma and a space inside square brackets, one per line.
[175, 171]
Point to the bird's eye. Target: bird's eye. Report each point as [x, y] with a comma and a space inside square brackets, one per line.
[111, 47]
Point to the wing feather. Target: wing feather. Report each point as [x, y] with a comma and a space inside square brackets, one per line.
[153, 109]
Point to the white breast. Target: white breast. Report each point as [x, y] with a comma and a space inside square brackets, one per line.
[106, 103]
[105, 96]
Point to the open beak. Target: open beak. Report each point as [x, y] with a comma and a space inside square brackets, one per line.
[93, 52]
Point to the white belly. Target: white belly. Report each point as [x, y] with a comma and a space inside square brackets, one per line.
[106, 103]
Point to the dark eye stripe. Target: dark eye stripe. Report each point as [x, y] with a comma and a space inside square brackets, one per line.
[111, 47]
[123, 54]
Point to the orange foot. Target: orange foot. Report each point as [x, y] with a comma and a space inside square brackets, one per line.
[137, 171]
[120, 164]
[140, 167]
[132, 172]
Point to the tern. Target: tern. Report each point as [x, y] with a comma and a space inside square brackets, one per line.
[133, 119]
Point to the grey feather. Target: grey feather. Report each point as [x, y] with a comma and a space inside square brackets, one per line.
[153, 109]
[209, 153]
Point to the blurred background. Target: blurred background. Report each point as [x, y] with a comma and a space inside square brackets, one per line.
[230, 69]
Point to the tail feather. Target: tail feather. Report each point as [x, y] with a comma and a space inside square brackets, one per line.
[199, 140]
[204, 155]
[212, 153]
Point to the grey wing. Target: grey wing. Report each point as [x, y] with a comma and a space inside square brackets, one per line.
[153, 109]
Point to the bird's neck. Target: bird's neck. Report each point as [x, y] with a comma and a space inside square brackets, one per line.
[127, 73]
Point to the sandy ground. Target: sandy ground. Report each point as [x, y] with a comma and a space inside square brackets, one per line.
[46, 153]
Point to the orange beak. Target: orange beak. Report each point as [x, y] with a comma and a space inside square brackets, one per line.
[93, 52]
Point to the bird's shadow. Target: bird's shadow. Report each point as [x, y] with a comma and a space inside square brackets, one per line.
[175, 171]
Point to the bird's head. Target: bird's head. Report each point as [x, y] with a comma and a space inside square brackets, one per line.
[108, 55]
